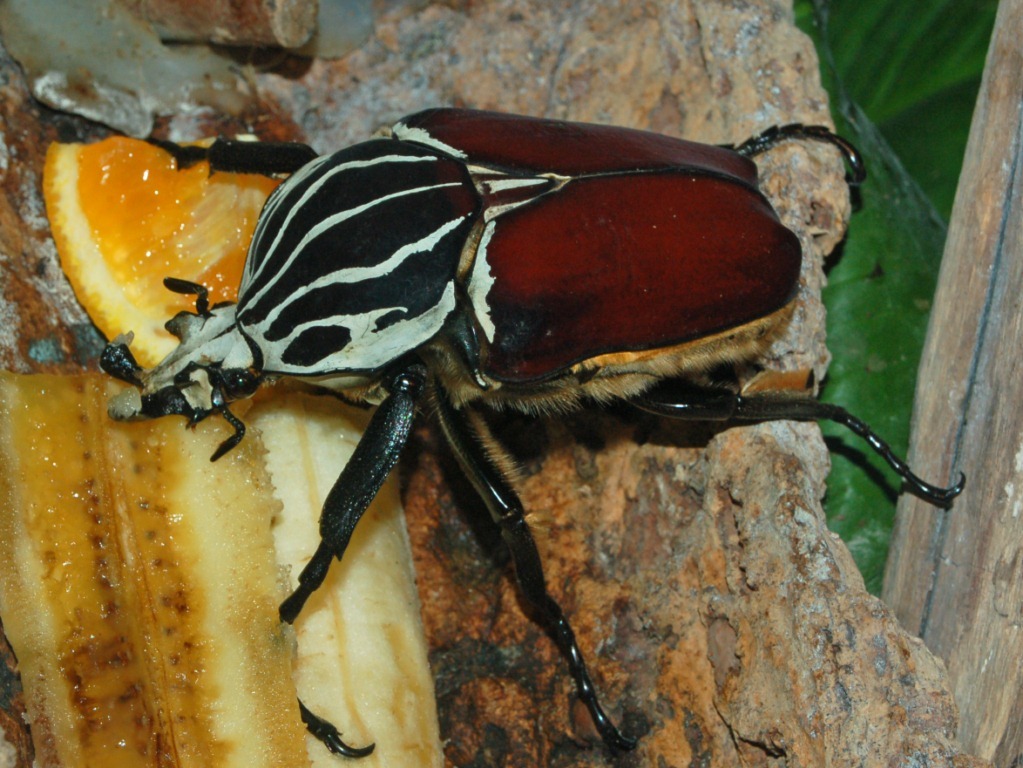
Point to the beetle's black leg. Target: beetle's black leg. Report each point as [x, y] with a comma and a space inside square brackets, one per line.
[353, 491]
[681, 400]
[188, 288]
[780, 133]
[329, 735]
[506, 510]
[374, 457]
[266, 158]
[233, 440]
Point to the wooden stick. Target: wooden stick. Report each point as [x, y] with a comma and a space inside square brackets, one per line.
[954, 577]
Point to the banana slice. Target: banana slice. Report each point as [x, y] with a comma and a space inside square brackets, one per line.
[139, 589]
[377, 688]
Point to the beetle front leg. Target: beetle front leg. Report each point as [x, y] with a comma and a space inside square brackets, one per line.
[267, 158]
[683, 400]
[506, 510]
[353, 491]
[360, 480]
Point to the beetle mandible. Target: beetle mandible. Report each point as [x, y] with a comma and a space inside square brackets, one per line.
[481, 258]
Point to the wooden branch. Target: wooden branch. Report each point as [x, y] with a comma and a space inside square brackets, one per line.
[956, 578]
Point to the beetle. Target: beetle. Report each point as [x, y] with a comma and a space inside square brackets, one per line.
[474, 258]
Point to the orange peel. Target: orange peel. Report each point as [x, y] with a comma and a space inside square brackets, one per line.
[124, 217]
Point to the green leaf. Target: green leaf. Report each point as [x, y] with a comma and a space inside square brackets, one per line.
[903, 77]
[878, 299]
[914, 68]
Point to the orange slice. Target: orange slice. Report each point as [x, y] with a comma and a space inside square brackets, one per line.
[124, 218]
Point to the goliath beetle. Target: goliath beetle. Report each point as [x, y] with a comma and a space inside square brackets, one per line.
[473, 257]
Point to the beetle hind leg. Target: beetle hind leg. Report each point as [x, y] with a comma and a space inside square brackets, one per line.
[682, 400]
[506, 510]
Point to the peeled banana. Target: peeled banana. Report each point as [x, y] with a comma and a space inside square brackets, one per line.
[139, 587]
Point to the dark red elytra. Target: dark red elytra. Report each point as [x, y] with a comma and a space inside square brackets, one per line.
[651, 242]
[686, 258]
[534, 145]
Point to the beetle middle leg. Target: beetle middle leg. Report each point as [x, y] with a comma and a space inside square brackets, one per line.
[506, 510]
[353, 491]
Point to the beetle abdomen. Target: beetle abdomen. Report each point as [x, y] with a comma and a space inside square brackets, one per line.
[628, 262]
[353, 262]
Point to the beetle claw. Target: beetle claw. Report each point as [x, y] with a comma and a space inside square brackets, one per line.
[619, 742]
[612, 736]
[233, 440]
[936, 495]
[780, 133]
[330, 735]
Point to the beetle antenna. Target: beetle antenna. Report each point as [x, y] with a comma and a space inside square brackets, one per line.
[796, 131]
[188, 288]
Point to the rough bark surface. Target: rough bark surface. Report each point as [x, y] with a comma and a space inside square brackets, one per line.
[723, 622]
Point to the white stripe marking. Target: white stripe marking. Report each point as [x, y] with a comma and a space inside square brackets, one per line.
[273, 202]
[312, 190]
[422, 136]
[325, 225]
[369, 349]
[480, 283]
[357, 274]
[500, 185]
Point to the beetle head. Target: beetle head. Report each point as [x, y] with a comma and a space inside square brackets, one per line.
[211, 367]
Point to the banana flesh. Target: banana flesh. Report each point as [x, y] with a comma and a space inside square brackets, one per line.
[139, 587]
[377, 688]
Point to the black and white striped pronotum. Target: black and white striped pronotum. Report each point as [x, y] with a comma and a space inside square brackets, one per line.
[488, 258]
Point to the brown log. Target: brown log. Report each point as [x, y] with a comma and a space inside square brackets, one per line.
[956, 578]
